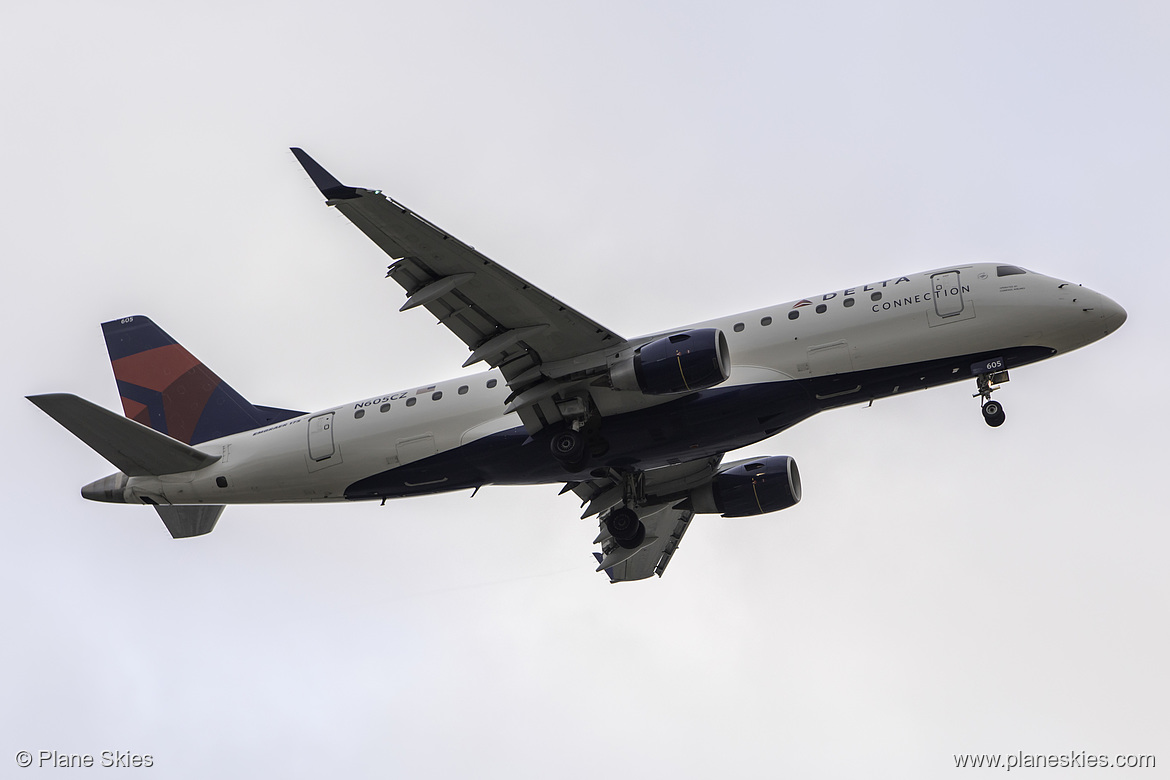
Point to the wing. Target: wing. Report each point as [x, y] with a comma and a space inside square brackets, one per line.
[661, 497]
[665, 527]
[535, 340]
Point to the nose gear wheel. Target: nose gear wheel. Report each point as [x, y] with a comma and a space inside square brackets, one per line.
[993, 413]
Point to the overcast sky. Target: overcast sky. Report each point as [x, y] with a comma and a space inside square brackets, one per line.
[943, 588]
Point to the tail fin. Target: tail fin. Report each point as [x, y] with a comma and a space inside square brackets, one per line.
[186, 521]
[165, 387]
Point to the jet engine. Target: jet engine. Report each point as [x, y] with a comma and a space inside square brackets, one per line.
[749, 488]
[691, 360]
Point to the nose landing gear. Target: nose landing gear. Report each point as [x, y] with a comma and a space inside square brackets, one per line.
[993, 413]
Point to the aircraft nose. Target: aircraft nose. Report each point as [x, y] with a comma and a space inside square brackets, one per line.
[1112, 313]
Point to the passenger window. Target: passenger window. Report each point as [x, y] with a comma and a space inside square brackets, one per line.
[411, 401]
[821, 308]
[463, 390]
[738, 327]
[491, 383]
[1009, 270]
[385, 408]
[794, 314]
[359, 414]
[849, 302]
[766, 321]
[436, 395]
[877, 296]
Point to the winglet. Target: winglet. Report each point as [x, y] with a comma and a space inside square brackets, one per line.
[330, 187]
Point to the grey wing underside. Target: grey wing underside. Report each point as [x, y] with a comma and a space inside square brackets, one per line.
[664, 530]
[662, 507]
[535, 340]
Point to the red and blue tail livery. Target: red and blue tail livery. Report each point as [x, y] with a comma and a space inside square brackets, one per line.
[165, 387]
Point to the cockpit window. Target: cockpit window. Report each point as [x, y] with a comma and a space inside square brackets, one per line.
[1009, 270]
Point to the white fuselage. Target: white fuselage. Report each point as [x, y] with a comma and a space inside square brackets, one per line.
[911, 320]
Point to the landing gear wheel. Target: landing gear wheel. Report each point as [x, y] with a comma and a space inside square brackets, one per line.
[625, 527]
[568, 446]
[993, 414]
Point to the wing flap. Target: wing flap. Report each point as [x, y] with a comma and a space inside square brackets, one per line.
[434, 290]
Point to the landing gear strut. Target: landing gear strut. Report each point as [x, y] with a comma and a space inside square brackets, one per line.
[993, 413]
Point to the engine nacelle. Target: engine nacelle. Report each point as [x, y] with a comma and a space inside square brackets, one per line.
[751, 488]
[691, 360]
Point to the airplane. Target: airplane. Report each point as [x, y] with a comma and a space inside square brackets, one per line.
[637, 428]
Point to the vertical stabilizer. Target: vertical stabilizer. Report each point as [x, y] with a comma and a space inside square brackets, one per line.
[165, 387]
[186, 521]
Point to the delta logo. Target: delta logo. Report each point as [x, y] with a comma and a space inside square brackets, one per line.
[802, 302]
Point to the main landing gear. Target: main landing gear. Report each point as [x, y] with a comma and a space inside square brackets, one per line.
[568, 446]
[622, 521]
[625, 527]
[993, 413]
[579, 440]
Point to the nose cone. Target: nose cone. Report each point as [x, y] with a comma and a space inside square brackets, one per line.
[1112, 313]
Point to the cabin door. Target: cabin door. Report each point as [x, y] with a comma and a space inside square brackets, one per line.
[947, 292]
[321, 437]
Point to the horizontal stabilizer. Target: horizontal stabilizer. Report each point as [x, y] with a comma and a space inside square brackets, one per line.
[186, 521]
[132, 447]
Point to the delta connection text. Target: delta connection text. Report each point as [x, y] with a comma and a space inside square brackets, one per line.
[894, 303]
